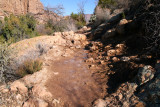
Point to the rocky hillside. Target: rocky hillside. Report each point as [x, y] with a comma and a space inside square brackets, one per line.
[22, 7]
[19, 7]
[108, 65]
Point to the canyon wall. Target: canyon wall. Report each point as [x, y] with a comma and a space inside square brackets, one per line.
[18, 7]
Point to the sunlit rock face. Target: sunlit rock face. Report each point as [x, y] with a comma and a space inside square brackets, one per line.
[18, 7]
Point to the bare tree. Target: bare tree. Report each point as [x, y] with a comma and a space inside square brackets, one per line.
[81, 10]
[81, 6]
[55, 15]
[59, 9]
[56, 11]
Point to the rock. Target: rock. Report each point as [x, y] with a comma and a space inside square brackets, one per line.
[55, 102]
[140, 104]
[41, 92]
[93, 48]
[145, 74]
[71, 33]
[111, 52]
[120, 46]
[102, 62]
[19, 86]
[108, 34]
[83, 30]
[99, 103]
[84, 27]
[78, 47]
[120, 96]
[35, 102]
[120, 29]
[157, 67]
[117, 11]
[82, 37]
[42, 103]
[18, 97]
[150, 92]
[77, 43]
[23, 7]
[29, 103]
[125, 59]
[4, 89]
[91, 66]
[90, 60]
[120, 49]
[108, 47]
[123, 97]
[19, 7]
[123, 22]
[126, 104]
[115, 59]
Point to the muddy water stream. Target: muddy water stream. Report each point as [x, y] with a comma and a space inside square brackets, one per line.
[71, 82]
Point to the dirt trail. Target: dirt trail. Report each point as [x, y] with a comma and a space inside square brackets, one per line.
[66, 78]
[71, 82]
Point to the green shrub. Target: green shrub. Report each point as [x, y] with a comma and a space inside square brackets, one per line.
[79, 18]
[123, 15]
[93, 18]
[29, 67]
[107, 3]
[116, 4]
[16, 28]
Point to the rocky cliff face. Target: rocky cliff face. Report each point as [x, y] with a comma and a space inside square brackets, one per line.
[18, 7]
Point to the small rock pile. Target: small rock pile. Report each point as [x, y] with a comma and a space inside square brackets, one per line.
[125, 95]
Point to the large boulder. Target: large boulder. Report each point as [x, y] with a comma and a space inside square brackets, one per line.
[145, 74]
[99, 103]
[108, 34]
[19, 86]
[120, 29]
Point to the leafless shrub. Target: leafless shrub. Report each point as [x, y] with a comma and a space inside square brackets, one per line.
[102, 15]
[81, 6]
[59, 24]
[58, 10]
[6, 72]
[71, 26]
[149, 15]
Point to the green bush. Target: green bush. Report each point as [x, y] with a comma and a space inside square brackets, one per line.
[79, 18]
[16, 28]
[123, 15]
[29, 67]
[116, 4]
[107, 3]
[93, 18]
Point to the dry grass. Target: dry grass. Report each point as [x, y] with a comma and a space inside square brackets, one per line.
[29, 67]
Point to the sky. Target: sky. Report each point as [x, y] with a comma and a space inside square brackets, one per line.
[71, 5]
